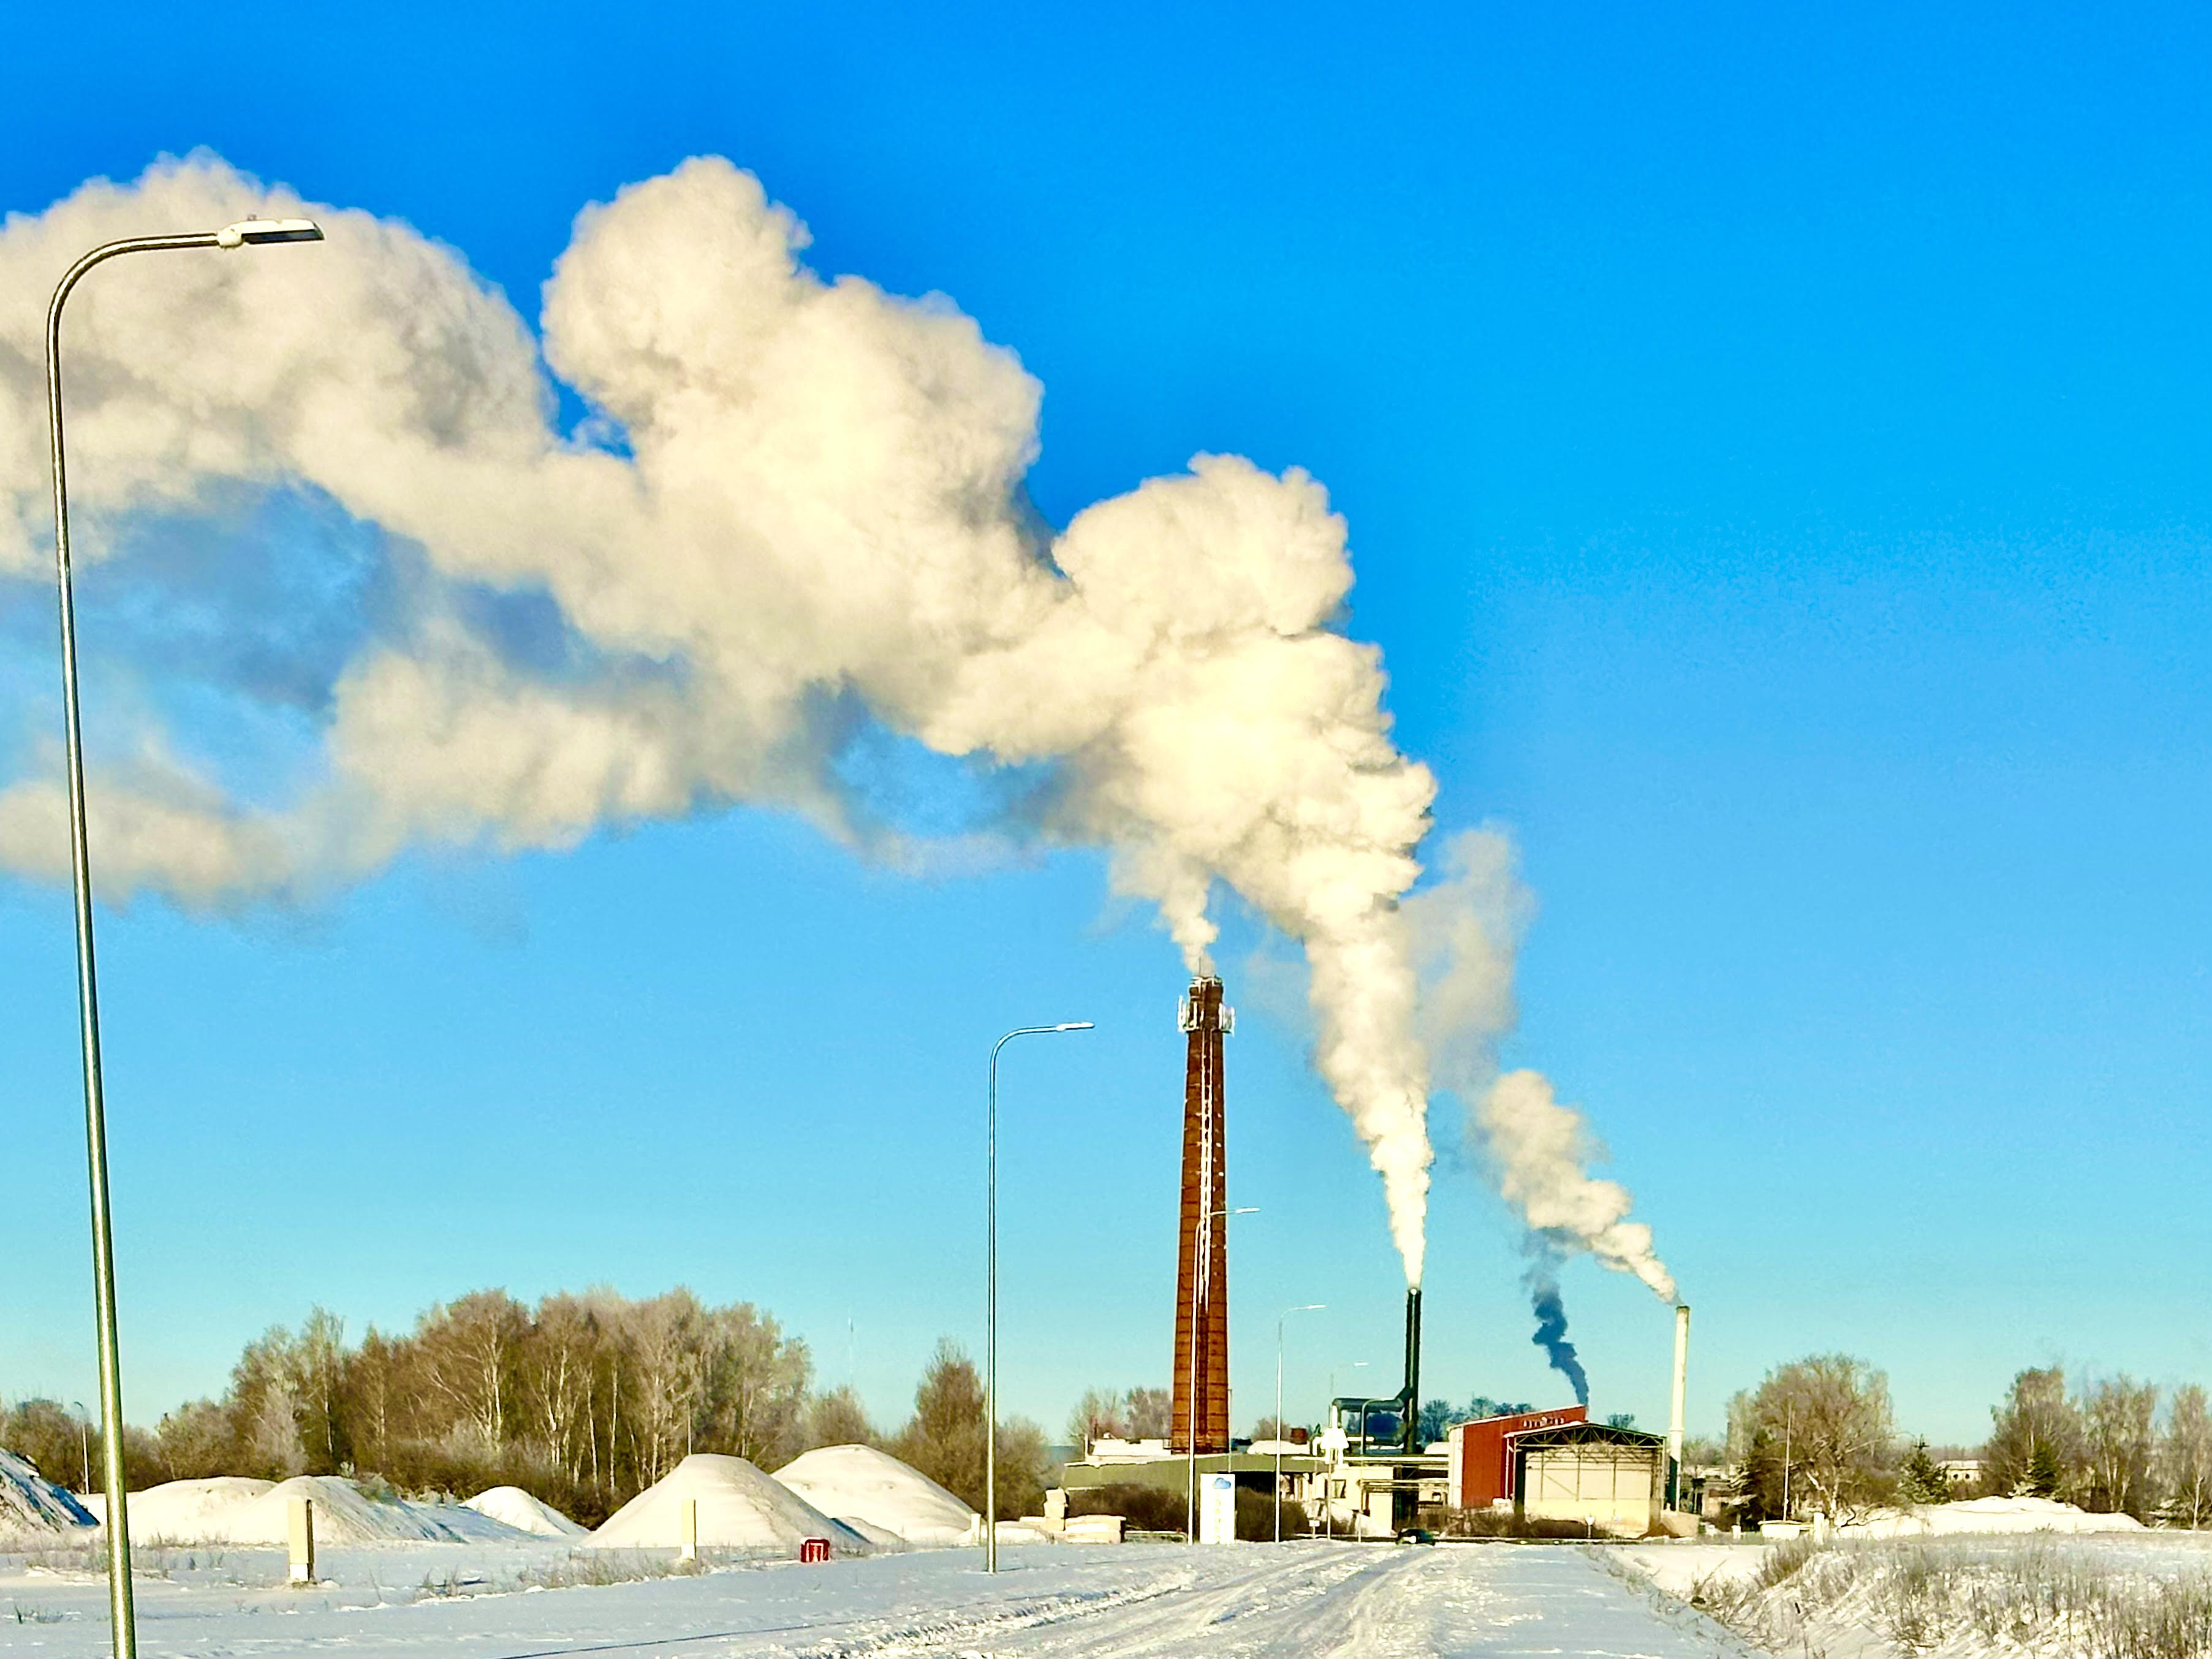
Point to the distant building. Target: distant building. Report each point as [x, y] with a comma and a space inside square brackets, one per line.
[1612, 1478]
[1479, 1465]
[1960, 1473]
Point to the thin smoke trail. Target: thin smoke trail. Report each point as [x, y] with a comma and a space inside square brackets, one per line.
[1552, 1336]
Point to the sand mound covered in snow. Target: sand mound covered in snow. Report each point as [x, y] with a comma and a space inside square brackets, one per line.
[739, 1508]
[31, 1502]
[525, 1513]
[1982, 1515]
[860, 1484]
[232, 1509]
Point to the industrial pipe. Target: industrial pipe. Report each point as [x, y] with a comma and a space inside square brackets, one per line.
[1674, 1419]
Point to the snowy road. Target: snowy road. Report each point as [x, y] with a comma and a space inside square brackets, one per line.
[1255, 1600]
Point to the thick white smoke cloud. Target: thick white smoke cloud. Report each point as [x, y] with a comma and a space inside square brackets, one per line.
[1468, 928]
[820, 506]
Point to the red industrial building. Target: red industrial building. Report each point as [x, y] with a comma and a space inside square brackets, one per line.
[1480, 1463]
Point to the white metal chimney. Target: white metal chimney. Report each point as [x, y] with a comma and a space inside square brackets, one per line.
[1674, 1419]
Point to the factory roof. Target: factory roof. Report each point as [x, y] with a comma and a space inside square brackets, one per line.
[1585, 1434]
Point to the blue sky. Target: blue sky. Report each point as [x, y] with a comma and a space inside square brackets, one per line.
[1774, 449]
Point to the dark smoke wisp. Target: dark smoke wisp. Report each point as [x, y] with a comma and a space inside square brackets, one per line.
[1552, 1336]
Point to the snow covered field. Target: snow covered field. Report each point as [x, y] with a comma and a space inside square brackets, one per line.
[475, 1600]
[2010, 1593]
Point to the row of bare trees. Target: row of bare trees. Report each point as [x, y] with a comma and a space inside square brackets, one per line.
[1818, 1436]
[2107, 1445]
[585, 1400]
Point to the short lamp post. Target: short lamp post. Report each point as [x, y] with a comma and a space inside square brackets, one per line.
[247, 233]
[1280, 1318]
[991, 1289]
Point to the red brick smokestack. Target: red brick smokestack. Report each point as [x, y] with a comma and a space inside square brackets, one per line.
[1201, 1344]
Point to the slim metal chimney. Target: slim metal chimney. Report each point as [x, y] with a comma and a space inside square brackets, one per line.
[1405, 1494]
[1674, 1419]
[1409, 1432]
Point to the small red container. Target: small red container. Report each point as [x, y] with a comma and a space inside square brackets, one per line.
[814, 1549]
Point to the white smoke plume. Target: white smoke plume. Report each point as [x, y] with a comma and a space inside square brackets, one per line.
[798, 503]
[1468, 928]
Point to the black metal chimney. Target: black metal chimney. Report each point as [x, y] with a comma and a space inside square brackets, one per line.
[1410, 1430]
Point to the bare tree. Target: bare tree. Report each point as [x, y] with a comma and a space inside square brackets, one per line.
[369, 1396]
[1100, 1414]
[319, 1363]
[1148, 1411]
[554, 1368]
[263, 1402]
[755, 1383]
[467, 1354]
[2034, 1448]
[2117, 1443]
[2185, 1458]
[666, 1340]
[1829, 1417]
[1131, 1414]
[837, 1419]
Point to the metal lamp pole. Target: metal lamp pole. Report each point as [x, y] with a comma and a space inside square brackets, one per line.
[991, 1292]
[1327, 1524]
[248, 233]
[1190, 1396]
[1306, 1307]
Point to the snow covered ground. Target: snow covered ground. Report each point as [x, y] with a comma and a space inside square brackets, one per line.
[2011, 1592]
[474, 1601]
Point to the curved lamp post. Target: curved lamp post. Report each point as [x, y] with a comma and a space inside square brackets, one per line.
[991, 1291]
[247, 233]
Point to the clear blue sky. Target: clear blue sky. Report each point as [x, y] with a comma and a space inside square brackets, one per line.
[1774, 448]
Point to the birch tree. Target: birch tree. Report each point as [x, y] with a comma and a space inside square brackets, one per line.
[2185, 1458]
[2117, 1443]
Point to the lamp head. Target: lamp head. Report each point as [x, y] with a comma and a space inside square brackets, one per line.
[254, 232]
[1075, 1025]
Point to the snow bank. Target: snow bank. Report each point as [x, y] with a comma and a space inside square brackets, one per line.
[232, 1509]
[739, 1508]
[31, 1502]
[1987, 1514]
[860, 1484]
[519, 1510]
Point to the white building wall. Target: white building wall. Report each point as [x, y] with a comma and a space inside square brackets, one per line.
[1596, 1486]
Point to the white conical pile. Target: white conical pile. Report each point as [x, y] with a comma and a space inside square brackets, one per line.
[740, 1507]
[519, 1510]
[234, 1509]
[861, 1485]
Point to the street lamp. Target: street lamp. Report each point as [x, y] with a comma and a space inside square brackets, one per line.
[991, 1294]
[84, 1441]
[1304, 1307]
[247, 233]
[1190, 1396]
[1327, 1525]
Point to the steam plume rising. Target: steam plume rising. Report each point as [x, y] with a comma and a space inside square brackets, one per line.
[1468, 928]
[1552, 1333]
[797, 508]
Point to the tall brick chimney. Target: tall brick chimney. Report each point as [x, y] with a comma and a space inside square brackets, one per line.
[1201, 1344]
